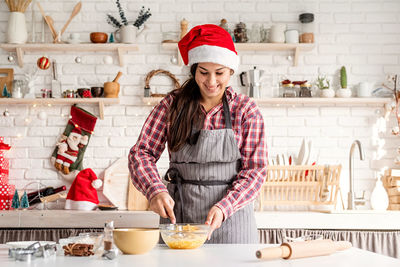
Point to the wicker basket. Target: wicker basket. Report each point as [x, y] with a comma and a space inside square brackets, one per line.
[300, 185]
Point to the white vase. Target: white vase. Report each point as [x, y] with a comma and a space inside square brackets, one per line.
[343, 92]
[16, 32]
[379, 197]
[327, 93]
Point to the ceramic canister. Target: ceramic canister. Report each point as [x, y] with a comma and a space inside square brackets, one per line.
[292, 36]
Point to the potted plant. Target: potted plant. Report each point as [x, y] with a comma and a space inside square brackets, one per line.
[323, 85]
[343, 91]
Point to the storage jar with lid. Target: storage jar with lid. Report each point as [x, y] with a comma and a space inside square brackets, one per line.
[307, 28]
[288, 90]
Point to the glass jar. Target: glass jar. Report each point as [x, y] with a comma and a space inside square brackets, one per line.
[305, 90]
[307, 28]
[17, 89]
[288, 90]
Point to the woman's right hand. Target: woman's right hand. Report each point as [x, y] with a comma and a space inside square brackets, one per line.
[163, 205]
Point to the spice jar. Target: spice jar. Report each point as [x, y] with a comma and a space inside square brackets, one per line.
[288, 90]
[307, 28]
[240, 33]
[305, 90]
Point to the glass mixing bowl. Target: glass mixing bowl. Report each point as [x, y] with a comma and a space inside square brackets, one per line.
[183, 235]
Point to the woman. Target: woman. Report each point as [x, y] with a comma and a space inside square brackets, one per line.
[215, 141]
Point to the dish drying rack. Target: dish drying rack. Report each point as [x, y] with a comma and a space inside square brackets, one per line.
[300, 185]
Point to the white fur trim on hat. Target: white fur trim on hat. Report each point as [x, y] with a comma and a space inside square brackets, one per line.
[214, 54]
[97, 183]
[79, 205]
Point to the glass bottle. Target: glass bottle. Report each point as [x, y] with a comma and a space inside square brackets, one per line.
[305, 90]
[307, 28]
[109, 251]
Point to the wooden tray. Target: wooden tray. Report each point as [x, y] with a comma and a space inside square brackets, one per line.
[119, 190]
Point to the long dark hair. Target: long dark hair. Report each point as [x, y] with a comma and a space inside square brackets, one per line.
[185, 113]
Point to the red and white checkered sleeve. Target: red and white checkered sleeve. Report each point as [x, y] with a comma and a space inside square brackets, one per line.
[254, 164]
[148, 149]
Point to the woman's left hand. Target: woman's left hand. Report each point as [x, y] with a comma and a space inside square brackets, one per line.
[214, 219]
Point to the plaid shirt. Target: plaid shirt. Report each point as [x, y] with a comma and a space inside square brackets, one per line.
[248, 126]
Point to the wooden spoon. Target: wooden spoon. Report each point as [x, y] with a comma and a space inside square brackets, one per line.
[75, 12]
[46, 19]
[51, 26]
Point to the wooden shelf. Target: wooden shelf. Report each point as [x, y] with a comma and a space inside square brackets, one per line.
[276, 101]
[296, 48]
[21, 49]
[59, 101]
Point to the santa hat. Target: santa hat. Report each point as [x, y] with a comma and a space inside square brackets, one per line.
[83, 195]
[208, 43]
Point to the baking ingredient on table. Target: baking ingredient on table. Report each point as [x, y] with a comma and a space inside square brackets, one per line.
[295, 250]
[184, 236]
[77, 249]
[110, 252]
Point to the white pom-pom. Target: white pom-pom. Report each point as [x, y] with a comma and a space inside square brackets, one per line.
[97, 183]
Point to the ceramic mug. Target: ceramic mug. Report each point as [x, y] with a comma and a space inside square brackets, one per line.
[364, 89]
[292, 36]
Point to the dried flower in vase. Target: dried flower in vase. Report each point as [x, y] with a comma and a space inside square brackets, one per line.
[18, 5]
[143, 16]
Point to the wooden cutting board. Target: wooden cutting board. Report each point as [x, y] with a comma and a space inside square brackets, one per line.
[119, 189]
[6, 77]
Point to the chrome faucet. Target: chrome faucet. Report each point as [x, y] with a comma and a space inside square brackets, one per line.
[352, 200]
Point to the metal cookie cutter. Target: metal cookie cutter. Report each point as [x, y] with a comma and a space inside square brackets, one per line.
[35, 250]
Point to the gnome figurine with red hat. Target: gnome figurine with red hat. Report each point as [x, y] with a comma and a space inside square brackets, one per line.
[68, 149]
[82, 194]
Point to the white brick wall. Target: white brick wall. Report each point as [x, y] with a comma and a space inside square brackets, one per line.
[363, 35]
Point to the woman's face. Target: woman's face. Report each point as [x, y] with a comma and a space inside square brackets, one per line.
[212, 79]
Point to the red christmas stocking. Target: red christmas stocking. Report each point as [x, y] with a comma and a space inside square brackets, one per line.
[70, 148]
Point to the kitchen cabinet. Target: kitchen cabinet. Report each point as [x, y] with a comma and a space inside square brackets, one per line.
[21, 49]
[62, 101]
[295, 48]
[212, 255]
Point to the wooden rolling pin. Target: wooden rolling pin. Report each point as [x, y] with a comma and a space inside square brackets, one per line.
[295, 250]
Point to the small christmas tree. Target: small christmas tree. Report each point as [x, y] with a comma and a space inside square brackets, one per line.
[111, 40]
[5, 92]
[24, 201]
[15, 201]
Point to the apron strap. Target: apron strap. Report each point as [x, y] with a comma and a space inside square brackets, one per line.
[227, 112]
[173, 176]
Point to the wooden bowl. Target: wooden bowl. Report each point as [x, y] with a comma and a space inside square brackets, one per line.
[136, 240]
[98, 37]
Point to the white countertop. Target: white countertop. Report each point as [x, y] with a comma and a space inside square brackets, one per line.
[210, 255]
[355, 220]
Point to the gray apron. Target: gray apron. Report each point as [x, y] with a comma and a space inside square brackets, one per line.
[200, 175]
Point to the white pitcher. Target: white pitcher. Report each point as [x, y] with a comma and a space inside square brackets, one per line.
[17, 33]
[127, 34]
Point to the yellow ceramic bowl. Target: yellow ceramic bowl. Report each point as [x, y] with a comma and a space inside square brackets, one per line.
[136, 240]
[184, 236]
